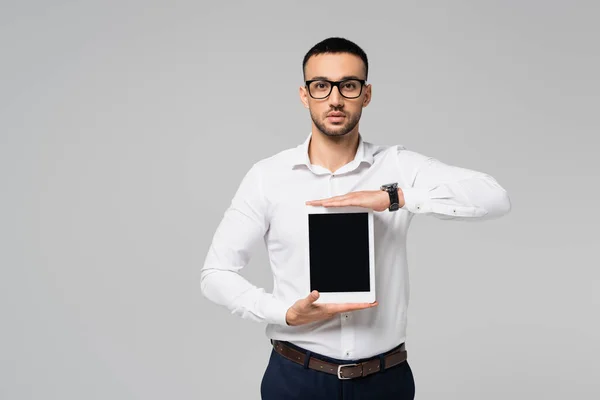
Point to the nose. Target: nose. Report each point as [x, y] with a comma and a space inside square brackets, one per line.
[335, 98]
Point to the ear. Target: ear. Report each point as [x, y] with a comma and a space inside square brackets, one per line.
[303, 96]
[368, 94]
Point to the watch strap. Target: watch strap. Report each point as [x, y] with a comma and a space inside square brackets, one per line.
[392, 190]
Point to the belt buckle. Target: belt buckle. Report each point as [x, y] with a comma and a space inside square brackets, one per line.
[339, 370]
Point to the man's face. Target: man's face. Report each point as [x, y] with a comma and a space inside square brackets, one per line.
[335, 67]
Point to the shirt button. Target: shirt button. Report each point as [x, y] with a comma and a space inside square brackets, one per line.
[347, 352]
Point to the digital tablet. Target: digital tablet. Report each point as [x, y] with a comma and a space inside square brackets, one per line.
[340, 254]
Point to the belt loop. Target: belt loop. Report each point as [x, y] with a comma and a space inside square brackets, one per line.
[381, 363]
[307, 358]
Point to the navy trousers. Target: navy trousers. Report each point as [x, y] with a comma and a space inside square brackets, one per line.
[284, 379]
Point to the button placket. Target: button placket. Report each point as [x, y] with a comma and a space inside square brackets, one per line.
[347, 328]
[347, 333]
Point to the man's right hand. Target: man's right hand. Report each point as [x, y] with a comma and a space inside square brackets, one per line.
[305, 311]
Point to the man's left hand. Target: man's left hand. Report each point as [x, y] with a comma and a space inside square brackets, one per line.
[377, 200]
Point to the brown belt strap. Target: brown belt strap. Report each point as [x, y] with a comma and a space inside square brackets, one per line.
[343, 371]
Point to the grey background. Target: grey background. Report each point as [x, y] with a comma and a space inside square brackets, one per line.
[127, 126]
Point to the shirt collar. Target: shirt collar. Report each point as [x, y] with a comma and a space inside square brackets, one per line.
[300, 156]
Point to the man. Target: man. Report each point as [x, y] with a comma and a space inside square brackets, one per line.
[335, 351]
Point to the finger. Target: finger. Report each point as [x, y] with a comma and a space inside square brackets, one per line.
[354, 306]
[338, 198]
[344, 307]
[334, 198]
[339, 203]
[312, 297]
[317, 202]
[341, 196]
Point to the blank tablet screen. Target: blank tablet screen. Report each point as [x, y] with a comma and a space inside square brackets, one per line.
[339, 252]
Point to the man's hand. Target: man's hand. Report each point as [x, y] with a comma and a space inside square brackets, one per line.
[377, 200]
[304, 310]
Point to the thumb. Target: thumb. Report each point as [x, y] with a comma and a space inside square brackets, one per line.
[312, 297]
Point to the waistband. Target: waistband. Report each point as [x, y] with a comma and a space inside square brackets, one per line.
[336, 360]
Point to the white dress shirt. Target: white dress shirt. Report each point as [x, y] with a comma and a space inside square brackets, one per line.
[269, 205]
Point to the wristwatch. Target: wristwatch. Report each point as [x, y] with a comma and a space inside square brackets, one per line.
[392, 189]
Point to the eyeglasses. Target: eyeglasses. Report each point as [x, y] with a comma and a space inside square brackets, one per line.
[348, 88]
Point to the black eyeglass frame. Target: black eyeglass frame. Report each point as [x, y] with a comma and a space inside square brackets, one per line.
[335, 83]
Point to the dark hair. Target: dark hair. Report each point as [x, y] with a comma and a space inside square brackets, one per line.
[336, 45]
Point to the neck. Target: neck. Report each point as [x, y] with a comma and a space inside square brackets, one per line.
[332, 152]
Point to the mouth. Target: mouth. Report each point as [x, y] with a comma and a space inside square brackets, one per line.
[336, 117]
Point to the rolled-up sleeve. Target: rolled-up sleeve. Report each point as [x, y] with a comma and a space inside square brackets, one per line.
[244, 224]
[449, 192]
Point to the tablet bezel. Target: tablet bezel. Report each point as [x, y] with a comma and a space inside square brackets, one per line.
[345, 297]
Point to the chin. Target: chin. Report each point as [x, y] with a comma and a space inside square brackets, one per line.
[339, 132]
[337, 127]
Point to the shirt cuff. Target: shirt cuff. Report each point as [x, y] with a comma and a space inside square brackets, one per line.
[423, 201]
[275, 311]
[415, 199]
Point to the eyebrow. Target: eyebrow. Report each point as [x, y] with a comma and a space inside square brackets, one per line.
[327, 79]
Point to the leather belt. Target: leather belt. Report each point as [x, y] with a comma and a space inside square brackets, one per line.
[343, 371]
